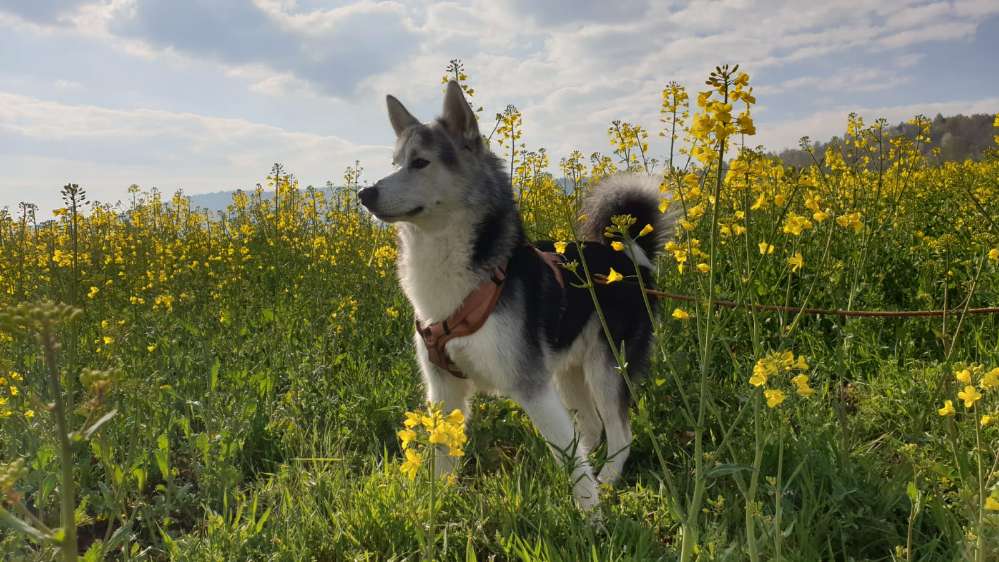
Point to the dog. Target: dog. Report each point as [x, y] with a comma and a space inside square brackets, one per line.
[543, 344]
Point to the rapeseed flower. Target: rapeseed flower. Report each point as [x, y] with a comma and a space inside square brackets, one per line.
[775, 397]
[797, 261]
[948, 408]
[990, 379]
[801, 385]
[680, 314]
[970, 395]
[412, 464]
[614, 276]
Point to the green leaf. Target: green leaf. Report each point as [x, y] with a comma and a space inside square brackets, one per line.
[10, 520]
[213, 380]
[97, 424]
[727, 470]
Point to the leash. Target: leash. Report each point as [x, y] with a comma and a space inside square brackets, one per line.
[602, 279]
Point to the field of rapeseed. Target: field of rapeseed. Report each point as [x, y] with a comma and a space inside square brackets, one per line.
[240, 385]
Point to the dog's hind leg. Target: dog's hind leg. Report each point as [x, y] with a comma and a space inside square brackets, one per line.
[611, 397]
[576, 395]
[545, 408]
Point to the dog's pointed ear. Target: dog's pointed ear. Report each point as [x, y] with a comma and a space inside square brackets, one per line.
[399, 116]
[459, 119]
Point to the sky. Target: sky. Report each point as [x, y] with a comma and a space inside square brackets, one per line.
[205, 95]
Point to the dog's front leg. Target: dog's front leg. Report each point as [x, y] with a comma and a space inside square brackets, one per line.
[447, 390]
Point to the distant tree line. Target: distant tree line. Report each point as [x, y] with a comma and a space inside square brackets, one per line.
[958, 137]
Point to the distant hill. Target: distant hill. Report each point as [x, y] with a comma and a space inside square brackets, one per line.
[959, 138]
[219, 200]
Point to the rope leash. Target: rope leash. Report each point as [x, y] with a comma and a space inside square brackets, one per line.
[600, 278]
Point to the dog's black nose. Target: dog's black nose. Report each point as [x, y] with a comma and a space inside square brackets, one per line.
[368, 196]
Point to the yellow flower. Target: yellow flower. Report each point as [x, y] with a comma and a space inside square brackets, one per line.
[151, 347]
[406, 436]
[17, 376]
[560, 247]
[948, 408]
[703, 267]
[439, 435]
[645, 230]
[852, 221]
[13, 390]
[766, 248]
[990, 379]
[964, 375]
[994, 254]
[970, 395]
[455, 417]
[108, 340]
[796, 224]
[29, 413]
[412, 464]
[680, 314]
[986, 420]
[614, 277]
[797, 261]
[664, 205]
[412, 419]
[774, 397]
[991, 504]
[801, 384]
[761, 371]
[618, 246]
[93, 292]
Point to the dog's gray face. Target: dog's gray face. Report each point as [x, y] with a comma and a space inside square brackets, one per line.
[434, 161]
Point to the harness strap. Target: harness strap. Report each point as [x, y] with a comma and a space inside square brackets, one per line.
[472, 314]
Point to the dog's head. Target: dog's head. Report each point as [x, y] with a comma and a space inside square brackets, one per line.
[437, 164]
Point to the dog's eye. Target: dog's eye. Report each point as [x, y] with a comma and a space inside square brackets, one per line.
[419, 163]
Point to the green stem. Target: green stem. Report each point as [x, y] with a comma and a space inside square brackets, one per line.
[691, 530]
[779, 493]
[980, 527]
[68, 495]
[754, 481]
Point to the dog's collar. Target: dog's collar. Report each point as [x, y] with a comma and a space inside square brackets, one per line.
[473, 313]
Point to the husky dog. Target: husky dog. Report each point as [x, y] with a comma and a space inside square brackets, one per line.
[543, 345]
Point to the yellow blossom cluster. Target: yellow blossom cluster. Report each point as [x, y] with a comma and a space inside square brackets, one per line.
[8, 391]
[424, 431]
[774, 364]
[967, 376]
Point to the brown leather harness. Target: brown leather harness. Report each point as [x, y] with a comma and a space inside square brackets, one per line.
[473, 313]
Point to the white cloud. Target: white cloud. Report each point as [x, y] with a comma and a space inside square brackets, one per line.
[97, 147]
[570, 67]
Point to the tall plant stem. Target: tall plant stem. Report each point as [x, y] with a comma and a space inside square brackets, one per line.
[61, 408]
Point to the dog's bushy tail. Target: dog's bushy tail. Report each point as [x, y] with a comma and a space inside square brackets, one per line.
[629, 194]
